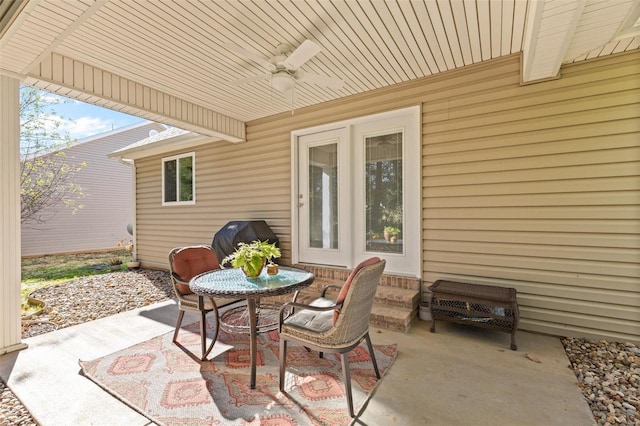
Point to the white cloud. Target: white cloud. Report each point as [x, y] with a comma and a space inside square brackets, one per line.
[83, 127]
[50, 98]
[53, 123]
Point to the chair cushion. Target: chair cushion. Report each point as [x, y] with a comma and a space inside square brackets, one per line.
[190, 301]
[193, 261]
[316, 321]
[345, 287]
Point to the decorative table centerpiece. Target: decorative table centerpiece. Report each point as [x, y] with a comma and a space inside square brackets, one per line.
[252, 257]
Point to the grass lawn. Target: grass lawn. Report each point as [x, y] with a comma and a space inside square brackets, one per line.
[43, 271]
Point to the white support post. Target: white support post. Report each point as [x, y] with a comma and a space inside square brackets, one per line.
[10, 333]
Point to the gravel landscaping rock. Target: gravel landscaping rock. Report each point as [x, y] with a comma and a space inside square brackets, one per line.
[78, 301]
[12, 412]
[608, 373]
[98, 296]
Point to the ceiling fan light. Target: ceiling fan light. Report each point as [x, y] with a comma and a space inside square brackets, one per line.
[282, 82]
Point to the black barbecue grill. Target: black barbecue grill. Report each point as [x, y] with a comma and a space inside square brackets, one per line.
[226, 240]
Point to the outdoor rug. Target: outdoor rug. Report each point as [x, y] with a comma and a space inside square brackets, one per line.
[168, 384]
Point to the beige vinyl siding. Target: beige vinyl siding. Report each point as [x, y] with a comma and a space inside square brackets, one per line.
[534, 187]
[225, 190]
[537, 187]
[107, 205]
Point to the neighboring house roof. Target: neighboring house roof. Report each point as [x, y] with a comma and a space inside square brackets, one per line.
[169, 140]
[117, 133]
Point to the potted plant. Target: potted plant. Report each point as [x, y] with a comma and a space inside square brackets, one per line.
[251, 257]
[391, 233]
[127, 245]
[115, 263]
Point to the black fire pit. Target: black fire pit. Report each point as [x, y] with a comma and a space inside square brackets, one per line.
[227, 238]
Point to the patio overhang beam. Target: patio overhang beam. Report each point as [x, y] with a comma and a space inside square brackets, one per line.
[41, 66]
[78, 80]
[547, 40]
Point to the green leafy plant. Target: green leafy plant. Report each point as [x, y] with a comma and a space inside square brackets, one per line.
[391, 230]
[251, 257]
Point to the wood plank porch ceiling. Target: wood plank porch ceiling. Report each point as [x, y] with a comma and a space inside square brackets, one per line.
[176, 47]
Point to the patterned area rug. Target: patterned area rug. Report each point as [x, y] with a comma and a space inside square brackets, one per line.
[169, 385]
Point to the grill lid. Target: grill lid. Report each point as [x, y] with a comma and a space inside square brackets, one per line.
[227, 238]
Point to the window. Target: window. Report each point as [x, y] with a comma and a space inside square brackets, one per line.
[178, 179]
[383, 188]
[357, 192]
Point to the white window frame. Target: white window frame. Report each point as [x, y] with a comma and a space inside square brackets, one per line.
[177, 158]
[409, 262]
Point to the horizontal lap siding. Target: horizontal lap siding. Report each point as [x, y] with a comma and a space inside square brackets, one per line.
[233, 182]
[538, 188]
[533, 187]
[251, 180]
[107, 204]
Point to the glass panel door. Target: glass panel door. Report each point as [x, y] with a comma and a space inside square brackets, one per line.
[323, 196]
[383, 193]
[322, 208]
[357, 192]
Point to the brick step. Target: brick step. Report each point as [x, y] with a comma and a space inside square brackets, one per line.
[339, 275]
[395, 296]
[393, 309]
[392, 317]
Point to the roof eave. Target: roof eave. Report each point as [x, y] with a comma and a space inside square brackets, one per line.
[177, 143]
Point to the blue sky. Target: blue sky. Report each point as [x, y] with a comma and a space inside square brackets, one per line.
[82, 120]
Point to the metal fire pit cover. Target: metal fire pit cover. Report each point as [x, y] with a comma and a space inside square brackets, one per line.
[227, 238]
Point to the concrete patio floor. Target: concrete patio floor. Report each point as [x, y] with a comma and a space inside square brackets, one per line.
[457, 376]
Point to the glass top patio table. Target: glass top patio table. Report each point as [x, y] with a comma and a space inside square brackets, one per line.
[233, 283]
[230, 283]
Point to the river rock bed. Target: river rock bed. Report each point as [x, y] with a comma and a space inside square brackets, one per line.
[608, 374]
[78, 301]
[97, 296]
[12, 412]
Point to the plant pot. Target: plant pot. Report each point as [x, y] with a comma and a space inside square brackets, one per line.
[116, 267]
[133, 264]
[425, 311]
[272, 269]
[253, 273]
[387, 235]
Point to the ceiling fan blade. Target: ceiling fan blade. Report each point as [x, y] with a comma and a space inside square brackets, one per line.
[302, 54]
[321, 80]
[262, 77]
[249, 55]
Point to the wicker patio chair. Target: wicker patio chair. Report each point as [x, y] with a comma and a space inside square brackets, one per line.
[184, 264]
[335, 326]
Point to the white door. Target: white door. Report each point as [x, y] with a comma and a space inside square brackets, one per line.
[356, 190]
[322, 198]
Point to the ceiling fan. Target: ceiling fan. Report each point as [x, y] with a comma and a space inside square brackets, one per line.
[284, 68]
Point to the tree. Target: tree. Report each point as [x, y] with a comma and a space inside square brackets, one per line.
[46, 175]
